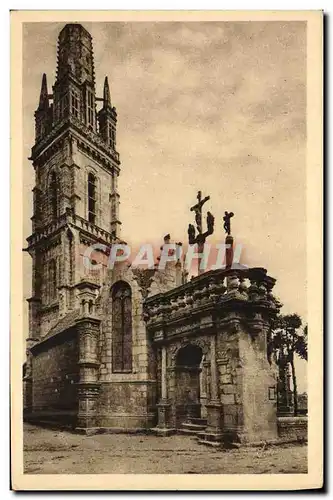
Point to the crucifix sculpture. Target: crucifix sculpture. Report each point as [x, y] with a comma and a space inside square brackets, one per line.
[201, 236]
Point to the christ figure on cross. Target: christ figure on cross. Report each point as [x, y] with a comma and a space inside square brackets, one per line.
[198, 211]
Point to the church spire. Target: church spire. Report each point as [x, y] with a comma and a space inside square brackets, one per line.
[43, 97]
[106, 94]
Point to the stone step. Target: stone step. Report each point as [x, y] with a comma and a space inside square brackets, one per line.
[212, 444]
[199, 421]
[193, 427]
[188, 432]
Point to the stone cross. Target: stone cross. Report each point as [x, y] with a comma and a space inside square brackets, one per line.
[198, 210]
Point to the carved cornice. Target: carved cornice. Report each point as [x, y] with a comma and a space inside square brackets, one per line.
[88, 324]
[93, 363]
[89, 141]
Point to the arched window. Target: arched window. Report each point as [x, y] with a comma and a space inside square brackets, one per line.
[92, 198]
[54, 188]
[52, 280]
[121, 327]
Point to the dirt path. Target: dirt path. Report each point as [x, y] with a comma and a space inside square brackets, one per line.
[58, 452]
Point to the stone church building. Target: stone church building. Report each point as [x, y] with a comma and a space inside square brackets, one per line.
[125, 349]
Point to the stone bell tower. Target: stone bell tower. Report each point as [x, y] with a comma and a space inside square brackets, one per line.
[75, 198]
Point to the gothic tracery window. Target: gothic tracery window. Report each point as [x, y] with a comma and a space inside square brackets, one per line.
[90, 109]
[92, 198]
[121, 328]
[75, 103]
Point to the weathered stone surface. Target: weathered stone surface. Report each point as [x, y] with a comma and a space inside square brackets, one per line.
[226, 379]
[293, 428]
[229, 389]
[55, 375]
[176, 343]
[228, 399]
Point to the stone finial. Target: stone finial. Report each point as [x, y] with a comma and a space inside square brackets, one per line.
[43, 96]
[106, 94]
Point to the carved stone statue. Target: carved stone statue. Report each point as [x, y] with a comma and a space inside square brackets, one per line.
[227, 225]
[191, 234]
[210, 223]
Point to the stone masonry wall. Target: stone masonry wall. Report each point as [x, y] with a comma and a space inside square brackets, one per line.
[127, 405]
[48, 318]
[246, 387]
[259, 389]
[293, 428]
[55, 373]
[230, 382]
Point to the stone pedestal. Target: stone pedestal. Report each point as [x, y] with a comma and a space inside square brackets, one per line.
[163, 407]
[213, 432]
[229, 251]
[87, 395]
[164, 413]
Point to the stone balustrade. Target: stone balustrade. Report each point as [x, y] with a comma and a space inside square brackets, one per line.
[215, 288]
[75, 220]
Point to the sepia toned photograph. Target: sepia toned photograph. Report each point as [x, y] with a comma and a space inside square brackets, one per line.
[165, 247]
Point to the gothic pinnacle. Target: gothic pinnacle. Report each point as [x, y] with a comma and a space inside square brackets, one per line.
[106, 94]
[43, 97]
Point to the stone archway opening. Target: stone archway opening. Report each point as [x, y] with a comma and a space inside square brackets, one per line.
[188, 367]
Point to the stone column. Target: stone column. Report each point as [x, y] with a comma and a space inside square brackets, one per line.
[201, 248]
[163, 407]
[164, 375]
[213, 370]
[203, 388]
[88, 385]
[229, 251]
[213, 431]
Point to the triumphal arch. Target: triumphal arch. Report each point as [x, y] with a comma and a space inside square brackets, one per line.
[214, 375]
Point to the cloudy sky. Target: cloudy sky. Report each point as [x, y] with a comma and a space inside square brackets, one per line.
[216, 106]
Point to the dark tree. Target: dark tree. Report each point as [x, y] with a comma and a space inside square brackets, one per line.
[286, 341]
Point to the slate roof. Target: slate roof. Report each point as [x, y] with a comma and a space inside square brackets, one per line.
[64, 323]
